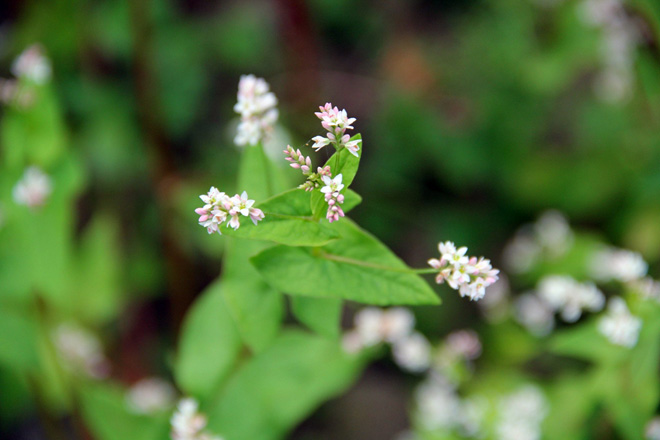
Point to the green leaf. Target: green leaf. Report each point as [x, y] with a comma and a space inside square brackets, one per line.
[287, 220]
[281, 386]
[108, 416]
[256, 307]
[586, 342]
[319, 314]
[18, 339]
[356, 267]
[99, 290]
[344, 163]
[209, 345]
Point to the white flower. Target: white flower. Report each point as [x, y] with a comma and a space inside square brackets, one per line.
[218, 207]
[553, 233]
[33, 189]
[187, 423]
[469, 275]
[652, 430]
[374, 325]
[534, 313]
[333, 196]
[33, 65]
[336, 122]
[256, 105]
[150, 395]
[464, 343]
[520, 414]
[437, 405]
[619, 325]
[80, 351]
[569, 297]
[412, 353]
[618, 264]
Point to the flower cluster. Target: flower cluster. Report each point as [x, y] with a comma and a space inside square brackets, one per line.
[219, 207]
[395, 326]
[32, 65]
[619, 325]
[617, 264]
[80, 351]
[620, 39]
[299, 161]
[188, 424]
[550, 236]
[438, 407]
[336, 122]
[534, 313]
[469, 275]
[256, 105]
[569, 297]
[334, 197]
[150, 395]
[33, 189]
[521, 414]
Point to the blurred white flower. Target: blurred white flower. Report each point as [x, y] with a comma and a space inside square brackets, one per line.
[647, 288]
[550, 236]
[257, 107]
[569, 297]
[619, 325]
[464, 343]
[533, 313]
[187, 423]
[438, 407]
[412, 353]
[617, 264]
[150, 395]
[33, 65]
[33, 189]
[374, 325]
[80, 351]
[521, 414]
[652, 430]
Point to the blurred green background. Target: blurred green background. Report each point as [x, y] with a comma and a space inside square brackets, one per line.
[476, 116]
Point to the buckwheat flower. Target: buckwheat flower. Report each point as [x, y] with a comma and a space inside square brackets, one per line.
[617, 264]
[495, 305]
[374, 325]
[553, 233]
[298, 160]
[412, 353]
[33, 189]
[469, 275]
[464, 343]
[187, 423]
[619, 325]
[336, 122]
[647, 288]
[218, 207]
[33, 65]
[80, 351]
[521, 414]
[533, 313]
[569, 297]
[652, 429]
[257, 107]
[438, 407]
[150, 395]
[333, 196]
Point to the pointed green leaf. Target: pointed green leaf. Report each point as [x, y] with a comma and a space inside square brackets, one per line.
[281, 386]
[356, 267]
[319, 314]
[209, 345]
